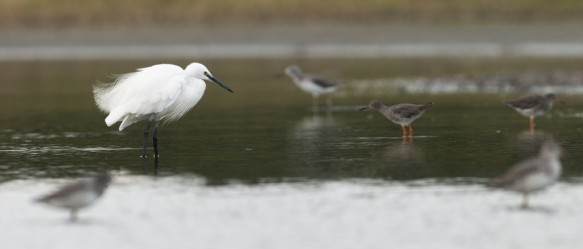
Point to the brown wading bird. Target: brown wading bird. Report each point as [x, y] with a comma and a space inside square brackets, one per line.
[533, 106]
[401, 114]
[533, 174]
[78, 195]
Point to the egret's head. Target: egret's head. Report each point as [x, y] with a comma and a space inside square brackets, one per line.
[199, 71]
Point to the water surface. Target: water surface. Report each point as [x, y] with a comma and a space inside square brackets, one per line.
[262, 159]
[267, 130]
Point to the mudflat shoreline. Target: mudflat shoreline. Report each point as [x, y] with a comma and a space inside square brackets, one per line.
[287, 40]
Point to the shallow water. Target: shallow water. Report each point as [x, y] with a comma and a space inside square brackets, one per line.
[236, 158]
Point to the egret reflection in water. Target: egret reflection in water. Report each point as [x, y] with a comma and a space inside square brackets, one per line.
[313, 134]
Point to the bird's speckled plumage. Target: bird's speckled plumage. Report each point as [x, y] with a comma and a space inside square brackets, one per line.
[401, 114]
[534, 105]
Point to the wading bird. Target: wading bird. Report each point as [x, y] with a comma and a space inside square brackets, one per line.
[533, 106]
[78, 195]
[401, 114]
[533, 174]
[314, 85]
[160, 92]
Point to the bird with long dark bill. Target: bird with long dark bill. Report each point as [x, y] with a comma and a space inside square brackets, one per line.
[160, 92]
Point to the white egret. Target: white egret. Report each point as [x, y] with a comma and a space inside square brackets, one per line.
[160, 92]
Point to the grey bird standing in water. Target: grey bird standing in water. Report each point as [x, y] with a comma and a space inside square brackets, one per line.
[78, 195]
[533, 106]
[533, 174]
[314, 85]
[401, 114]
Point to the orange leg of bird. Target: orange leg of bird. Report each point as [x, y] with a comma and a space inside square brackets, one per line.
[404, 132]
[531, 123]
[410, 131]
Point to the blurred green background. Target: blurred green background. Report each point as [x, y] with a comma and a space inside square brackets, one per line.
[71, 13]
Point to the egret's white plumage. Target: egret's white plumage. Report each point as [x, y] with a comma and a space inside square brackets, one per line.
[160, 92]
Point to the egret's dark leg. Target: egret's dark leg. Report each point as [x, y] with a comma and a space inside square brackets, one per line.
[146, 131]
[155, 166]
[145, 165]
[155, 139]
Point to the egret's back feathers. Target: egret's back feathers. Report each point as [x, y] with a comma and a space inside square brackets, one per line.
[159, 90]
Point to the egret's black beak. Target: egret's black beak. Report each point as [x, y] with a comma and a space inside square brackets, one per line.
[364, 109]
[215, 80]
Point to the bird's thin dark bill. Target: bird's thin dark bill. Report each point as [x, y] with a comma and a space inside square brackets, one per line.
[223, 85]
[363, 109]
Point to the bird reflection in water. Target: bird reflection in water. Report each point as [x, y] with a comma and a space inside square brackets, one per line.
[312, 140]
[312, 126]
[404, 154]
[146, 168]
[530, 140]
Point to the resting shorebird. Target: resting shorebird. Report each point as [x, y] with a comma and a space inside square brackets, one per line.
[401, 114]
[533, 174]
[78, 195]
[533, 106]
[311, 84]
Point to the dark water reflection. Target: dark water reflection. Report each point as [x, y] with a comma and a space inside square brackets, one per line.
[266, 132]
